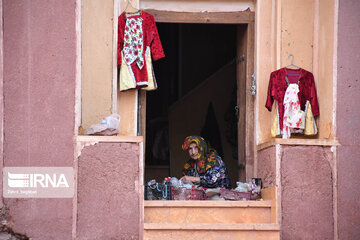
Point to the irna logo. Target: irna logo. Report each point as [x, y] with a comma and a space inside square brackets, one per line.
[18, 180]
[38, 182]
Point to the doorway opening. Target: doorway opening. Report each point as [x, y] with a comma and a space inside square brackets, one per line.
[199, 93]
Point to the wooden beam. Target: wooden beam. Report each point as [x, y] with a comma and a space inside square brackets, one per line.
[250, 148]
[203, 17]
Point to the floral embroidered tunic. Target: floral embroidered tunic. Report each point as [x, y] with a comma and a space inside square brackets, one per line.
[136, 33]
[211, 170]
[278, 86]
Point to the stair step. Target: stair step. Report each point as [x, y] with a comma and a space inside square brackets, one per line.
[213, 226]
[207, 211]
[212, 231]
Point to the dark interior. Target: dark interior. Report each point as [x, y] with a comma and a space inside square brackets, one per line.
[194, 52]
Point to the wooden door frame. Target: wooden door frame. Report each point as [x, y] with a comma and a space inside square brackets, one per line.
[246, 49]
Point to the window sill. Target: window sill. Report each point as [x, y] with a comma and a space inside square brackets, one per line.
[133, 139]
[297, 142]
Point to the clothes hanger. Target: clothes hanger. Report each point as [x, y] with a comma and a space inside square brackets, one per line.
[292, 65]
[134, 9]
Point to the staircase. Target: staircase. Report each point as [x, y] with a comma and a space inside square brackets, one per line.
[212, 220]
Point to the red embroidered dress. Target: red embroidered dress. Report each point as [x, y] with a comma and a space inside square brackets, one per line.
[150, 39]
[278, 85]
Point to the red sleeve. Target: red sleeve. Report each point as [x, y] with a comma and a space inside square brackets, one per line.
[313, 97]
[270, 95]
[120, 44]
[156, 48]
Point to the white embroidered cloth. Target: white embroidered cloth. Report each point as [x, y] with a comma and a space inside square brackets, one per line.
[133, 41]
[294, 117]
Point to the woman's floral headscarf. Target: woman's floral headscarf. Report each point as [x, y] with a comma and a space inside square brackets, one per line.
[206, 158]
[200, 143]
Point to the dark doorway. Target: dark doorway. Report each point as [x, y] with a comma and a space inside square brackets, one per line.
[197, 95]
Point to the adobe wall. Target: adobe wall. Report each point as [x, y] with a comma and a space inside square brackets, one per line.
[108, 198]
[267, 166]
[304, 176]
[306, 193]
[348, 120]
[39, 87]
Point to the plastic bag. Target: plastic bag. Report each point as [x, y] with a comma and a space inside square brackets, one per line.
[242, 187]
[108, 126]
[113, 121]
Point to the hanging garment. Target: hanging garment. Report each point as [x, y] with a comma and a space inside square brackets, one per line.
[294, 117]
[307, 93]
[310, 123]
[137, 33]
[127, 79]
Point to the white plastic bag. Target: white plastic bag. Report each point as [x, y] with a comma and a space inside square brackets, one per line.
[242, 187]
[108, 126]
[113, 121]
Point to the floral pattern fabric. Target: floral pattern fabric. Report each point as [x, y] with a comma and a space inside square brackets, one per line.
[151, 40]
[278, 86]
[294, 117]
[209, 167]
[133, 42]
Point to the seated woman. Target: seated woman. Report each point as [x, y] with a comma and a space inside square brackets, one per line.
[205, 167]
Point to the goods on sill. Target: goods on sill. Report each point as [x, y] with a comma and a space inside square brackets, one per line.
[184, 193]
[243, 191]
[157, 191]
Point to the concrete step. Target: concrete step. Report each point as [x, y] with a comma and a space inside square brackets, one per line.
[207, 212]
[211, 231]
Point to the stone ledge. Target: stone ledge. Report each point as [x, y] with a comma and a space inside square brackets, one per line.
[298, 142]
[110, 138]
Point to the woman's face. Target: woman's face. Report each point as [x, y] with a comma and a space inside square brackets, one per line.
[193, 151]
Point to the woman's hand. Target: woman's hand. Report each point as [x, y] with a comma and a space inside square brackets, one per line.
[190, 179]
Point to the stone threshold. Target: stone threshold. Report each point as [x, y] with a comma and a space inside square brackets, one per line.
[213, 226]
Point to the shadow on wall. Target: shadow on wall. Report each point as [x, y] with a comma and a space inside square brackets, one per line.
[188, 117]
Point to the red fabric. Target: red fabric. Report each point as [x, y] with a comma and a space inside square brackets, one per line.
[151, 38]
[278, 85]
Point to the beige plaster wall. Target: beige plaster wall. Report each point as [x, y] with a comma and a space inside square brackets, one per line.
[266, 23]
[326, 66]
[97, 60]
[99, 95]
[304, 28]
